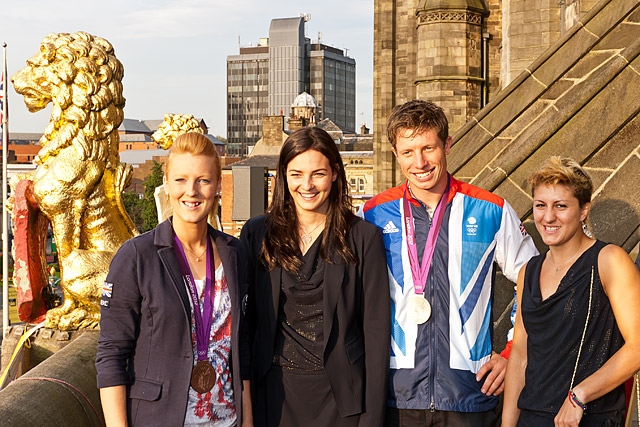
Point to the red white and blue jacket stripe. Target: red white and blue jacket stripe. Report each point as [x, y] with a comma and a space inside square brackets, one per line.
[433, 365]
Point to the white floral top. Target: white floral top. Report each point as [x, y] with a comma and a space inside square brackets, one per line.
[216, 407]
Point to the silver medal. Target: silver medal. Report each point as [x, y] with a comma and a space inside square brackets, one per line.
[418, 309]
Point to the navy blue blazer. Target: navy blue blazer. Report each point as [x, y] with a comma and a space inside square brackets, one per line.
[356, 312]
[145, 327]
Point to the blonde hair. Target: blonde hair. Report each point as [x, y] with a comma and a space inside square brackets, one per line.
[196, 144]
[564, 171]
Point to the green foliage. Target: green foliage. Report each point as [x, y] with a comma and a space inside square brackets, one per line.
[133, 205]
[222, 138]
[149, 212]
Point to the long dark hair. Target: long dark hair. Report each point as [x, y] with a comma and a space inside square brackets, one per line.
[280, 246]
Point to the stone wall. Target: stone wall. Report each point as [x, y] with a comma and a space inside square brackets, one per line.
[531, 27]
[493, 31]
[580, 99]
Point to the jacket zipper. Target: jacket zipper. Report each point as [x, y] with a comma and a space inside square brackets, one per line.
[430, 291]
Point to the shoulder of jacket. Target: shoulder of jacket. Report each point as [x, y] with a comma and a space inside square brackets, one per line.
[255, 222]
[478, 193]
[360, 225]
[390, 195]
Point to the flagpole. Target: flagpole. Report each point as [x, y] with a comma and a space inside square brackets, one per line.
[5, 232]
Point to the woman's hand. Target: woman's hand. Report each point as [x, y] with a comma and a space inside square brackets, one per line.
[247, 407]
[569, 415]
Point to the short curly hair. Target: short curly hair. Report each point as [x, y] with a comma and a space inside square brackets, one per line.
[418, 116]
[564, 171]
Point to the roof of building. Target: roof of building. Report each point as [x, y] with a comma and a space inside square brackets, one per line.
[133, 126]
[135, 137]
[145, 126]
[215, 140]
[17, 137]
[331, 128]
[139, 157]
[304, 100]
[153, 125]
[358, 138]
[268, 161]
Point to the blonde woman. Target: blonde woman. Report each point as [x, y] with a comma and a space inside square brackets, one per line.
[171, 351]
[576, 334]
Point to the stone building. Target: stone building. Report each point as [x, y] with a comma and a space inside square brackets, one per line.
[458, 53]
[520, 81]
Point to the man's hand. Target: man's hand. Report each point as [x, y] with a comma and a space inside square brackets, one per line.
[494, 370]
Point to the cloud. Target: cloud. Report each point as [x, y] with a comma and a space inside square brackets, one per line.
[174, 51]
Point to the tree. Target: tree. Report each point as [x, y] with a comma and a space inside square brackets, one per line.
[149, 212]
[133, 206]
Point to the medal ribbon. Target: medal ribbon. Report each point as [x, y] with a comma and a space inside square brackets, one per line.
[204, 317]
[420, 271]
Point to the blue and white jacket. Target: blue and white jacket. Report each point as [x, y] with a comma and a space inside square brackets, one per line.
[433, 365]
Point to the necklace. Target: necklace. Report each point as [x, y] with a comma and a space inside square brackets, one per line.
[198, 257]
[557, 267]
[306, 237]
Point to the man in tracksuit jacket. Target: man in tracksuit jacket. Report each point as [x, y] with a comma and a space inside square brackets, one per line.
[443, 367]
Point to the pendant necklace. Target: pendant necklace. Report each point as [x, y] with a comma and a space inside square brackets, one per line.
[307, 237]
[557, 267]
[198, 257]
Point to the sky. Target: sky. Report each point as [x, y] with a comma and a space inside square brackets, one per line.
[174, 51]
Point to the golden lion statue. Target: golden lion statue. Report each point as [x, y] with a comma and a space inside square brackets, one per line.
[79, 180]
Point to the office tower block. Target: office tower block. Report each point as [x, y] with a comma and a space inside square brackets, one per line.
[266, 79]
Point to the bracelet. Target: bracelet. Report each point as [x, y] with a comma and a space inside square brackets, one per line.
[576, 401]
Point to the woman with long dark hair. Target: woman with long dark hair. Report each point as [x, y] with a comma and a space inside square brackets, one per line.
[318, 298]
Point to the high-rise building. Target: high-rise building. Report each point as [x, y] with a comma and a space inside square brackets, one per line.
[247, 96]
[333, 85]
[265, 80]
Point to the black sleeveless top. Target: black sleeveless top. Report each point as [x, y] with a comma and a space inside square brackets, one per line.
[554, 328]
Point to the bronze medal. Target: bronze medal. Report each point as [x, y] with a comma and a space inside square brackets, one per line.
[418, 309]
[203, 377]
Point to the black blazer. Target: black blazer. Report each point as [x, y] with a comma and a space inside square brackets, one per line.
[145, 327]
[356, 320]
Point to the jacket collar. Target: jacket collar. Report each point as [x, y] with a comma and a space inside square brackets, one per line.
[454, 187]
[164, 235]
[163, 239]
